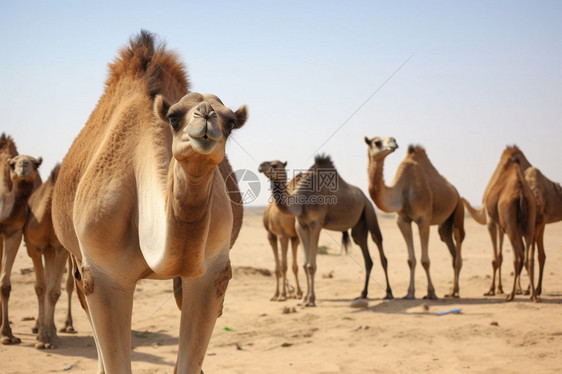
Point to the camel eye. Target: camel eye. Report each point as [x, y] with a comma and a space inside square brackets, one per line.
[174, 122]
[378, 143]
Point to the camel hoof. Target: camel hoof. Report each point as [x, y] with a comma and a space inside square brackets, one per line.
[282, 298]
[68, 330]
[536, 299]
[519, 292]
[388, 296]
[453, 295]
[409, 297]
[35, 330]
[430, 297]
[509, 297]
[7, 340]
[310, 304]
[527, 292]
[490, 293]
[274, 298]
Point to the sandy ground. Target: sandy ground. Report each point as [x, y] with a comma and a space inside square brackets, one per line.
[397, 336]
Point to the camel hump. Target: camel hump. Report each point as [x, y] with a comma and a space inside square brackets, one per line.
[6, 142]
[323, 161]
[412, 149]
[147, 58]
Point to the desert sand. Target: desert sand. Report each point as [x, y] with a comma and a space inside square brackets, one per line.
[255, 335]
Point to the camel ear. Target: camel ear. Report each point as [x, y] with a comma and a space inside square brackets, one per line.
[160, 108]
[285, 163]
[38, 162]
[367, 141]
[241, 117]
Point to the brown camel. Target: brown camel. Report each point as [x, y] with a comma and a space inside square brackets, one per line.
[480, 216]
[20, 178]
[281, 227]
[322, 199]
[421, 195]
[512, 205]
[548, 197]
[41, 242]
[143, 193]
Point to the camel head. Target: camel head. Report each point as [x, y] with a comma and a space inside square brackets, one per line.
[24, 168]
[274, 170]
[380, 147]
[200, 125]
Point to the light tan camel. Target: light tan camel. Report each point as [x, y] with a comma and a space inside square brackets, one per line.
[281, 227]
[480, 216]
[41, 242]
[421, 195]
[512, 205]
[322, 199]
[143, 193]
[548, 197]
[20, 178]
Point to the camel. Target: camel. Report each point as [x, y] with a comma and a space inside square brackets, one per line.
[323, 200]
[142, 193]
[480, 216]
[548, 198]
[280, 226]
[421, 195]
[20, 177]
[510, 203]
[41, 242]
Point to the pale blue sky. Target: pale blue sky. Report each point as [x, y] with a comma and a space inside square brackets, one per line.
[483, 75]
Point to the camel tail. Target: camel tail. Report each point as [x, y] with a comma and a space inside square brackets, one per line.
[479, 215]
[345, 241]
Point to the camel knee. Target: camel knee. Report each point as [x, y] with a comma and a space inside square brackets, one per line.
[6, 289]
[284, 268]
[54, 296]
[295, 268]
[39, 291]
[310, 269]
[412, 264]
[425, 264]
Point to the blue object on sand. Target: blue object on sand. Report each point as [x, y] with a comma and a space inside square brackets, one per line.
[457, 310]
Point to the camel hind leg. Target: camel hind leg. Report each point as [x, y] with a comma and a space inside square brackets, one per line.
[35, 253]
[68, 325]
[454, 228]
[373, 226]
[424, 239]
[539, 239]
[359, 234]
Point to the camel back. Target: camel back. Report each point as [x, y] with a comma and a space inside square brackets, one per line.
[509, 152]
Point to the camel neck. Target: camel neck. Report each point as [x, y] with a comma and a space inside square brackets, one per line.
[283, 199]
[380, 193]
[191, 194]
[15, 202]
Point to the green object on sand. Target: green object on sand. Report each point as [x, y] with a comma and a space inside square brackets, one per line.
[225, 328]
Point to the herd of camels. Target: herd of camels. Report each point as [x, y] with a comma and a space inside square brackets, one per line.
[147, 186]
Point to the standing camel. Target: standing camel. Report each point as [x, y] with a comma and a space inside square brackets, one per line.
[41, 242]
[548, 197]
[480, 216]
[20, 178]
[143, 193]
[281, 226]
[421, 195]
[322, 199]
[512, 205]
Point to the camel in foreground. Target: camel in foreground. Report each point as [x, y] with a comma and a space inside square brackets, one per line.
[41, 242]
[142, 193]
[512, 205]
[480, 216]
[322, 199]
[421, 195]
[281, 226]
[548, 197]
[20, 178]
